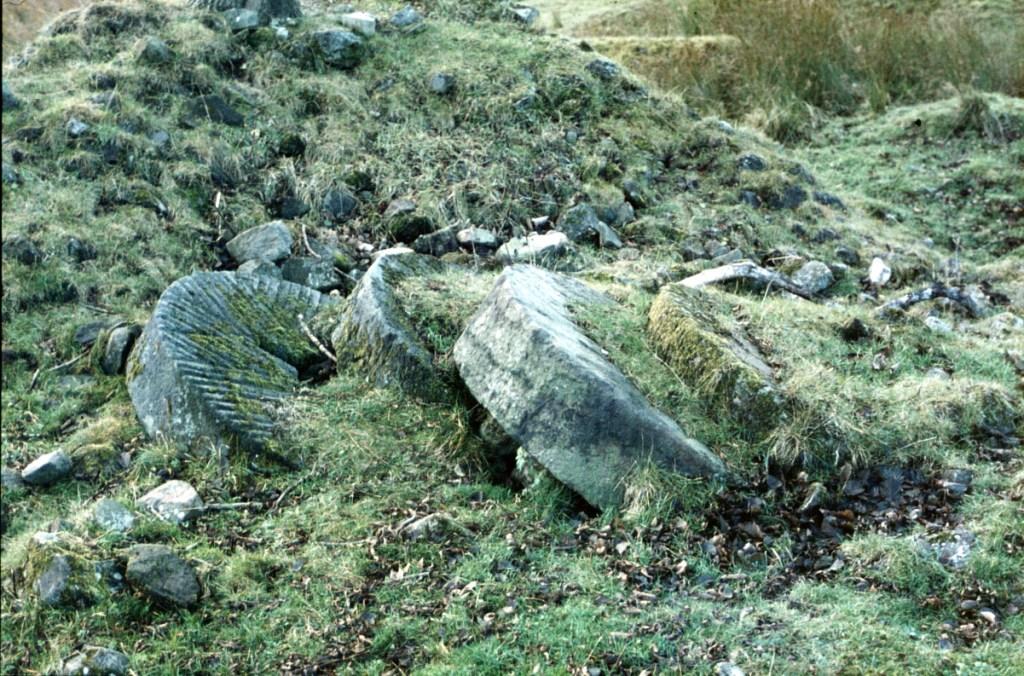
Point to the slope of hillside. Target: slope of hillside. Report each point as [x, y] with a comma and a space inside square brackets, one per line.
[875, 502]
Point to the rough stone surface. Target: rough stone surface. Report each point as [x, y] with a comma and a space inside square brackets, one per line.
[523, 14]
[604, 69]
[553, 391]
[477, 239]
[534, 248]
[751, 162]
[219, 353]
[152, 50]
[338, 48]
[111, 515]
[363, 23]
[375, 334]
[175, 501]
[53, 584]
[582, 224]
[242, 19]
[406, 17]
[118, 346]
[338, 206]
[437, 243]
[259, 266]
[442, 84]
[76, 128]
[162, 575]
[10, 101]
[879, 272]
[275, 9]
[316, 273]
[271, 241]
[715, 357]
[214, 108]
[47, 469]
[96, 661]
[814, 276]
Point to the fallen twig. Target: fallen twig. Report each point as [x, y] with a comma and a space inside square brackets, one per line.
[316, 341]
[745, 270]
[933, 292]
[305, 242]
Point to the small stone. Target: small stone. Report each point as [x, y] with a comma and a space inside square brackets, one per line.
[442, 84]
[162, 575]
[96, 661]
[47, 469]
[76, 128]
[259, 266]
[406, 17]
[936, 373]
[854, 330]
[340, 49]
[730, 256]
[9, 174]
[22, 249]
[847, 255]
[404, 224]
[938, 325]
[437, 243]
[814, 276]
[240, 19]
[53, 583]
[534, 248]
[750, 198]
[879, 273]
[79, 250]
[160, 139]
[88, 333]
[270, 241]
[727, 669]
[603, 69]
[153, 50]
[10, 101]
[581, 223]
[175, 502]
[829, 200]
[524, 15]
[111, 515]
[214, 108]
[339, 206]
[291, 208]
[477, 240]
[119, 344]
[751, 162]
[316, 273]
[363, 23]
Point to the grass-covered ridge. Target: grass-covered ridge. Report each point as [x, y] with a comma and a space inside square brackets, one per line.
[324, 572]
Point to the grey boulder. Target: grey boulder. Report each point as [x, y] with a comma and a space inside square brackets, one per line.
[175, 501]
[554, 392]
[96, 661]
[53, 586]
[581, 223]
[219, 354]
[270, 241]
[534, 248]
[375, 335]
[814, 276]
[117, 347]
[338, 48]
[316, 273]
[242, 19]
[47, 469]
[259, 266]
[111, 515]
[162, 575]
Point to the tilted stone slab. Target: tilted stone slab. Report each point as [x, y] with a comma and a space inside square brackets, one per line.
[376, 336]
[220, 351]
[555, 393]
[712, 355]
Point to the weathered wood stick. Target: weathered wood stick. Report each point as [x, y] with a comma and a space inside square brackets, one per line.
[745, 270]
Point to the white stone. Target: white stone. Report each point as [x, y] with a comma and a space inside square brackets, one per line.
[534, 247]
[938, 325]
[879, 273]
[175, 501]
[363, 23]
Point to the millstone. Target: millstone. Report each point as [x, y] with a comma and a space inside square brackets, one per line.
[219, 353]
[375, 335]
[553, 391]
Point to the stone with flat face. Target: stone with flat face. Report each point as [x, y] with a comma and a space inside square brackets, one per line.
[553, 391]
[220, 353]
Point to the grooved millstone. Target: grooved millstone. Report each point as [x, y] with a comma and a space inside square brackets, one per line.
[220, 351]
[553, 391]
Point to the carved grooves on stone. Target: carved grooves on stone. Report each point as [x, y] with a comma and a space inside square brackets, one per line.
[219, 351]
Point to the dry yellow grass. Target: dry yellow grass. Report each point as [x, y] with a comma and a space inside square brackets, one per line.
[24, 18]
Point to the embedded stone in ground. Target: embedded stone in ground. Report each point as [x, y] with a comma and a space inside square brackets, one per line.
[219, 354]
[554, 392]
[96, 661]
[175, 501]
[47, 469]
[270, 241]
[162, 575]
[714, 357]
[111, 515]
[376, 336]
[534, 248]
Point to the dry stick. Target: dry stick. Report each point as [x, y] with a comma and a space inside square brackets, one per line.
[745, 270]
[936, 290]
[316, 341]
[305, 242]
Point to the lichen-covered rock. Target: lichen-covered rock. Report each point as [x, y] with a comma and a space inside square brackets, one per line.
[316, 273]
[581, 223]
[376, 336]
[111, 515]
[714, 357]
[270, 241]
[534, 248]
[219, 353]
[162, 575]
[338, 48]
[814, 276]
[96, 661]
[59, 571]
[113, 352]
[175, 501]
[47, 469]
[555, 393]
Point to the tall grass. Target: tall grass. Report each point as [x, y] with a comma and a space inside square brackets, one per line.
[797, 59]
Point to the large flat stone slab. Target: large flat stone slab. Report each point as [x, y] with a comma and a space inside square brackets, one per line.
[376, 337]
[553, 391]
[220, 352]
